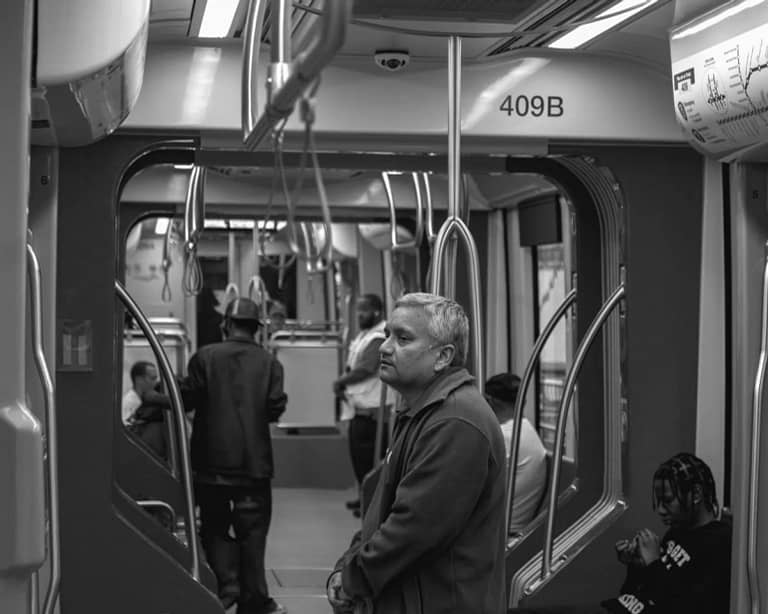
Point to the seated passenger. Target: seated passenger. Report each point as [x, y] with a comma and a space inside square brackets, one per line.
[689, 569]
[143, 379]
[531, 473]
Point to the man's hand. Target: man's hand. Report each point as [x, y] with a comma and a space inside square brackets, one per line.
[648, 546]
[339, 600]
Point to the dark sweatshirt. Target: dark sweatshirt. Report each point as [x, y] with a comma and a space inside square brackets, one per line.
[692, 575]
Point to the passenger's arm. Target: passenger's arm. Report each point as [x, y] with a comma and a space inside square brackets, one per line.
[193, 386]
[439, 489]
[277, 398]
[367, 366]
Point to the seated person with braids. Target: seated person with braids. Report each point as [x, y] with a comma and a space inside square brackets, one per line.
[687, 570]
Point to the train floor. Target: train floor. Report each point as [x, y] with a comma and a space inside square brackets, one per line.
[309, 531]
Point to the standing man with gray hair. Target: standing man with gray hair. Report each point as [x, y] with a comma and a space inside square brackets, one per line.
[433, 536]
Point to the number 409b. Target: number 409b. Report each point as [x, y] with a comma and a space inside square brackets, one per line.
[522, 105]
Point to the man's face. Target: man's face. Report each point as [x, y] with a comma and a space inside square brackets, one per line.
[668, 506]
[409, 354]
[148, 381]
[367, 316]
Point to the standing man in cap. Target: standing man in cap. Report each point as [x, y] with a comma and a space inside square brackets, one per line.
[236, 389]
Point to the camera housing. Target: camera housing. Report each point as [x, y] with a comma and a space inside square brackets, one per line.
[392, 60]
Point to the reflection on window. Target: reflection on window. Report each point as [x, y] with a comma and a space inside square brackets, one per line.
[551, 280]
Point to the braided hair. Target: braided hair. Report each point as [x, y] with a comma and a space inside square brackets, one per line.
[684, 471]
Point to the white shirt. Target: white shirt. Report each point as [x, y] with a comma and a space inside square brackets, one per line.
[531, 473]
[131, 402]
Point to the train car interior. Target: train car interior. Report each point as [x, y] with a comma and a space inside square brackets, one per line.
[587, 178]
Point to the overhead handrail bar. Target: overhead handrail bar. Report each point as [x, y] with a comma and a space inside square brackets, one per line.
[304, 70]
[178, 411]
[194, 222]
[570, 384]
[430, 222]
[36, 307]
[417, 235]
[753, 577]
[517, 416]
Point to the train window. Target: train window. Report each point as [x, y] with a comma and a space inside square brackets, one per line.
[553, 366]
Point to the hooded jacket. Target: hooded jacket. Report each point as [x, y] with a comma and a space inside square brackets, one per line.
[432, 540]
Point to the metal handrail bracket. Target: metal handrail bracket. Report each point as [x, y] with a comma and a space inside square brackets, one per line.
[753, 577]
[36, 304]
[517, 416]
[305, 69]
[178, 411]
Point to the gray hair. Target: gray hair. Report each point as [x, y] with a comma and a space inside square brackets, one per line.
[447, 321]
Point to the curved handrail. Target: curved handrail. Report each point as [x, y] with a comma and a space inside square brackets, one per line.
[417, 235]
[428, 214]
[517, 416]
[305, 69]
[178, 412]
[565, 402]
[254, 23]
[36, 305]
[753, 578]
[441, 243]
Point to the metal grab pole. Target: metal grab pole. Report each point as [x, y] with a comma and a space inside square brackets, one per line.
[178, 411]
[36, 304]
[454, 156]
[565, 401]
[517, 416]
[753, 577]
[462, 230]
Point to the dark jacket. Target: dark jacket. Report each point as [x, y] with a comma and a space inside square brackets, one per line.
[236, 390]
[692, 575]
[433, 536]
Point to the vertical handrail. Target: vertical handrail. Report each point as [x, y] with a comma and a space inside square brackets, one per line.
[753, 578]
[36, 305]
[178, 411]
[517, 415]
[565, 402]
[453, 222]
[419, 232]
[254, 23]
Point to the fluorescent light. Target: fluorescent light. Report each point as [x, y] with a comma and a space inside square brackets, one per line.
[711, 21]
[240, 224]
[215, 223]
[161, 226]
[183, 167]
[606, 20]
[217, 18]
